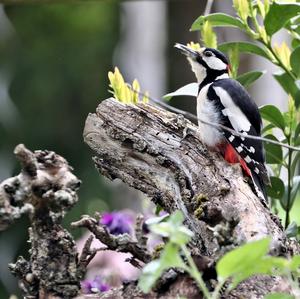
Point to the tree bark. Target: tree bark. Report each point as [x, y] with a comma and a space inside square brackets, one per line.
[44, 190]
[161, 154]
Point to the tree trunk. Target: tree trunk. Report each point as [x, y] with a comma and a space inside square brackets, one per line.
[160, 154]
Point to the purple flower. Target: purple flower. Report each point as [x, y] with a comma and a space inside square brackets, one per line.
[117, 223]
[92, 286]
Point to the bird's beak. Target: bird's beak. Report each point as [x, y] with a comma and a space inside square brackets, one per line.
[190, 53]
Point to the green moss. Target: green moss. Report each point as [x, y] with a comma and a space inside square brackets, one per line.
[198, 212]
[200, 198]
[157, 250]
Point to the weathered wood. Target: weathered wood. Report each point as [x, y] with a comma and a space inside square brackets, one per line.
[160, 153]
[44, 190]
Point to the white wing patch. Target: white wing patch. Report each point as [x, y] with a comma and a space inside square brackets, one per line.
[235, 115]
[231, 138]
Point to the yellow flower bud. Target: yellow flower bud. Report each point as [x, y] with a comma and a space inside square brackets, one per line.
[208, 35]
[135, 91]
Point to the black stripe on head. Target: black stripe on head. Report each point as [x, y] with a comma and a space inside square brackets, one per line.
[218, 54]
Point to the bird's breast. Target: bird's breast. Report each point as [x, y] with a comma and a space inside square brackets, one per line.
[207, 112]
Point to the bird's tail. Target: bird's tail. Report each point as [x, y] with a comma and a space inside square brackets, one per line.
[260, 188]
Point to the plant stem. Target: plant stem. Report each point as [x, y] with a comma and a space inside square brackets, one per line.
[217, 290]
[193, 271]
[287, 214]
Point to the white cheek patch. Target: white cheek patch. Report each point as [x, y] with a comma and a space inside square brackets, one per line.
[215, 63]
[198, 69]
[235, 115]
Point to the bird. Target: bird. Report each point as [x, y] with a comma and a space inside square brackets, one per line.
[223, 101]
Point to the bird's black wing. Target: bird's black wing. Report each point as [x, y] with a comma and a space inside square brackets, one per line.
[240, 113]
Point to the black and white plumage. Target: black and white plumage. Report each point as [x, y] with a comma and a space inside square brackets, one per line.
[225, 101]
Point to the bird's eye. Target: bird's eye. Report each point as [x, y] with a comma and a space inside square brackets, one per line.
[208, 53]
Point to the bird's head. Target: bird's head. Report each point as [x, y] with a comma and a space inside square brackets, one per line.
[207, 63]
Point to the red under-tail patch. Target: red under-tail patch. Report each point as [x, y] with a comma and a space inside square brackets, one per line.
[231, 156]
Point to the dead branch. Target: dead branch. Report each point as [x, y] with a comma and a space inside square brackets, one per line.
[160, 153]
[121, 243]
[44, 190]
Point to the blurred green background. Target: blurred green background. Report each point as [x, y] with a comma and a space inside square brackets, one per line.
[54, 60]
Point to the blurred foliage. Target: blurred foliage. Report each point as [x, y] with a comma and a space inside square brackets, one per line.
[57, 59]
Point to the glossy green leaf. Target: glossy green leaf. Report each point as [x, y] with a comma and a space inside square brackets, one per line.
[295, 61]
[292, 230]
[187, 90]
[244, 47]
[294, 192]
[276, 189]
[279, 14]
[239, 262]
[273, 152]
[267, 128]
[247, 79]
[272, 114]
[279, 296]
[217, 19]
[295, 43]
[289, 85]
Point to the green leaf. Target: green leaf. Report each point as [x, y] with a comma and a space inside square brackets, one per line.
[247, 79]
[176, 219]
[279, 14]
[294, 192]
[276, 190]
[295, 263]
[272, 114]
[267, 128]
[187, 90]
[273, 151]
[182, 236]
[244, 47]
[292, 230]
[239, 262]
[295, 160]
[172, 228]
[155, 220]
[295, 61]
[297, 132]
[150, 274]
[295, 43]
[279, 296]
[170, 258]
[218, 19]
[289, 85]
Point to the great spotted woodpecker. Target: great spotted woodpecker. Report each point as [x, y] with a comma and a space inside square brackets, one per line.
[225, 101]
